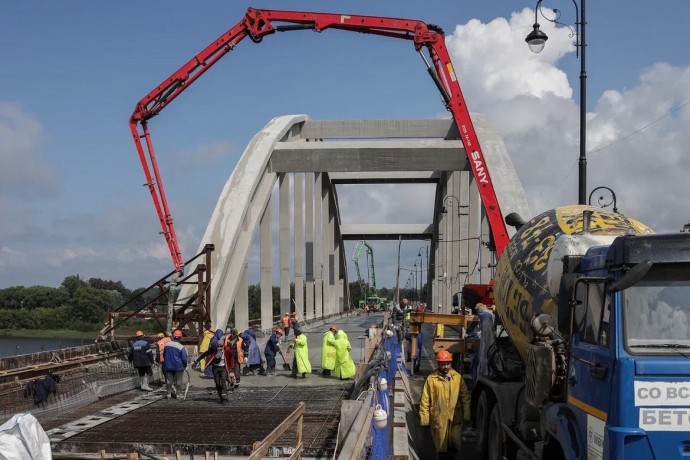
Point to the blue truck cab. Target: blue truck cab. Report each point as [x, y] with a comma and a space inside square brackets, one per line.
[592, 352]
[629, 371]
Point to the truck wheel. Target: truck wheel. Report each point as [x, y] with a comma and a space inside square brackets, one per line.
[482, 423]
[496, 439]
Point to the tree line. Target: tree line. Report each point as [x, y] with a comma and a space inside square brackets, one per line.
[82, 305]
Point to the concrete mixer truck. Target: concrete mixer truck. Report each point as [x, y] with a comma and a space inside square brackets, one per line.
[593, 361]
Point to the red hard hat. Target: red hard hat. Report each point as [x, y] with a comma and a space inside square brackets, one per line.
[139, 334]
[443, 357]
[177, 334]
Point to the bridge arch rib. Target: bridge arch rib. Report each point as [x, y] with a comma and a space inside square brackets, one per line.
[319, 155]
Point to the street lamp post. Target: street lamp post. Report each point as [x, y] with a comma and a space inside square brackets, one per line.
[415, 280]
[536, 41]
[449, 199]
[426, 251]
[600, 200]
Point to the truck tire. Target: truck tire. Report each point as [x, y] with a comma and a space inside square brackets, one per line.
[482, 414]
[496, 449]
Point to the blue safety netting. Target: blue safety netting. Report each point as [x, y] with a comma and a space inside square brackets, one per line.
[381, 444]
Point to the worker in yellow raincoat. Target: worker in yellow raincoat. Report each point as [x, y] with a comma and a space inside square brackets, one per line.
[203, 347]
[300, 364]
[344, 365]
[444, 404]
[328, 351]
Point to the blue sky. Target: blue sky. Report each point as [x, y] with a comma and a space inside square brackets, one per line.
[71, 195]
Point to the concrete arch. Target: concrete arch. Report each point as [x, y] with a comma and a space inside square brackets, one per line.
[237, 215]
[322, 154]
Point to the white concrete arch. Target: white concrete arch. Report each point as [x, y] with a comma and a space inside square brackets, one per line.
[319, 154]
[236, 216]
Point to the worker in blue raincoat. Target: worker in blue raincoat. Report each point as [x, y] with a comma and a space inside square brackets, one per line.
[254, 361]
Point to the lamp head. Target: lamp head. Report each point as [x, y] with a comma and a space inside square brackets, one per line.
[536, 39]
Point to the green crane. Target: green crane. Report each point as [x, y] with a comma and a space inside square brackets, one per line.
[369, 289]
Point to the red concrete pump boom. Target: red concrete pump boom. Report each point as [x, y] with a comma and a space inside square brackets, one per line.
[258, 23]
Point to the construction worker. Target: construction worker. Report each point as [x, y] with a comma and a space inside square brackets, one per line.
[300, 363]
[328, 350]
[254, 361]
[220, 359]
[285, 324]
[162, 340]
[294, 321]
[203, 347]
[141, 357]
[272, 348]
[444, 404]
[235, 343]
[174, 364]
[344, 365]
[418, 349]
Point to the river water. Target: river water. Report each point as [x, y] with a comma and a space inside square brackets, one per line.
[11, 346]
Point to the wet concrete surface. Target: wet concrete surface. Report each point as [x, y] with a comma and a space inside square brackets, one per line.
[251, 412]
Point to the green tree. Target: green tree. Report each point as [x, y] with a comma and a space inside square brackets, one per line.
[108, 285]
[89, 305]
[72, 284]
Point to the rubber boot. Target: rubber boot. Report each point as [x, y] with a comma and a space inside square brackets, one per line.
[145, 383]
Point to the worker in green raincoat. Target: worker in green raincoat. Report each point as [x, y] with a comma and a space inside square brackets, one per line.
[328, 351]
[344, 366]
[301, 364]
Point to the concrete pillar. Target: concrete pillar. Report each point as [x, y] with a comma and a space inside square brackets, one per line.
[284, 241]
[466, 261]
[473, 248]
[242, 301]
[318, 244]
[486, 261]
[459, 218]
[266, 269]
[309, 243]
[298, 190]
[327, 240]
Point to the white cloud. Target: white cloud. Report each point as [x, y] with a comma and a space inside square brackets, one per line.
[23, 170]
[529, 101]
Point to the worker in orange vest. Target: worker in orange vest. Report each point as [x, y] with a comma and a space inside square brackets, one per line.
[285, 325]
[234, 342]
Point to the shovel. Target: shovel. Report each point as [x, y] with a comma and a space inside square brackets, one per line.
[286, 366]
[186, 388]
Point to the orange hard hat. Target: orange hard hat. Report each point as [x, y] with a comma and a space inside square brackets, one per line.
[443, 357]
[177, 334]
[139, 334]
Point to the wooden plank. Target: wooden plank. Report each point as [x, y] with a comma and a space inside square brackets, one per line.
[363, 434]
[399, 398]
[401, 444]
[261, 448]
